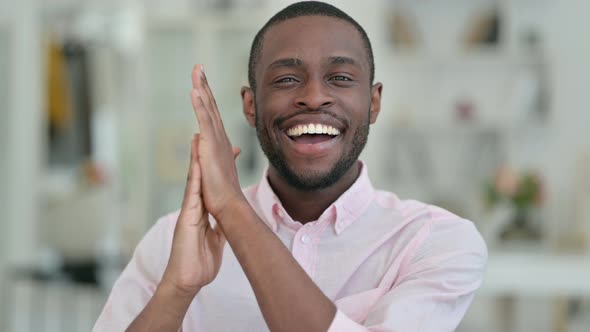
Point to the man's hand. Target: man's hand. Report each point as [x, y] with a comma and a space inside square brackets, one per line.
[220, 185]
[194, 261]
[288, 299]
[197, 248]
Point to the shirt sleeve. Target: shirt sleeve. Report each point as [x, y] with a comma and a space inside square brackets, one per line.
[138, 281]
[434, 290]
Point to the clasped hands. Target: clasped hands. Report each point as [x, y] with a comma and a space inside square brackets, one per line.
[212, 187]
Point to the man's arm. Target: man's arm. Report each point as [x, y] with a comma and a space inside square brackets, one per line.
[288, 298]
[165, 311]
[194, 261]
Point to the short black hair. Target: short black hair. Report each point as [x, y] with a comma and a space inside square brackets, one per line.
[305, 8]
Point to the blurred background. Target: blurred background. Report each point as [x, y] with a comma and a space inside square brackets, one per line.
[485, 113]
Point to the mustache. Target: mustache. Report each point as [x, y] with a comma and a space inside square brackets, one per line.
[281, 119]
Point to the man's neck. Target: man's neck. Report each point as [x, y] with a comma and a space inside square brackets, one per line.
[306, 206]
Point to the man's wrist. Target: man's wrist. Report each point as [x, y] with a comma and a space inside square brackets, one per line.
[168, 290]
[164, 312]
[236, 203]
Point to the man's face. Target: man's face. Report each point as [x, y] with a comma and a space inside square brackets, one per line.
[313, 71]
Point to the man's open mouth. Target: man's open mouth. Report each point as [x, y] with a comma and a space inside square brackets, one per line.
[312, 133]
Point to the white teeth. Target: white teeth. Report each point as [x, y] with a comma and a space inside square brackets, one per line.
[312, 129]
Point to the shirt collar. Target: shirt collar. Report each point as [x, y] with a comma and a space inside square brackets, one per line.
[343, 212]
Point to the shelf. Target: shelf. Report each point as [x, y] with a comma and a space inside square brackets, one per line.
[216, 21]
[472, 59]
[537, 274]
[465, 129]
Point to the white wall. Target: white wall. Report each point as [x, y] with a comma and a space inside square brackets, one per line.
[22, 144]
[4, 97]
[19, 135]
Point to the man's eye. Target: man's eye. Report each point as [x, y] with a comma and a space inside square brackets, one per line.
[340, 78]
[286, 80]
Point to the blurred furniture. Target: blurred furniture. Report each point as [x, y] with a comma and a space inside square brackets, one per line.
[78, 219]
[515, 274]
[537, 274]
[36, 303]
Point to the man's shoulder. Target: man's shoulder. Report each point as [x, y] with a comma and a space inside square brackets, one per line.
[447, 233]
[431, 223]
[417, 210]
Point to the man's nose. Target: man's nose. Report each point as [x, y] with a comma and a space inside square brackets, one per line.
[314, 95]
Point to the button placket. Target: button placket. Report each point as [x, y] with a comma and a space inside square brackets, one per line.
[302, 247]
[306, 239]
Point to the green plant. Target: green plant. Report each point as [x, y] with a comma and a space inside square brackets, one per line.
[522, 190]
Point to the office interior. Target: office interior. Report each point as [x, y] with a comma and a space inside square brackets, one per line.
[484, 113]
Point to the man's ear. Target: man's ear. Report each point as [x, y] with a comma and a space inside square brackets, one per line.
[375, 101]
[248, 105]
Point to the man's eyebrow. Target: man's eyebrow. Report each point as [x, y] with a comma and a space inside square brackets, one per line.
[286, 62]
[341, 60]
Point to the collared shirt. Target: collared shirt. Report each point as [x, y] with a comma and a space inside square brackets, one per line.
[387, 264]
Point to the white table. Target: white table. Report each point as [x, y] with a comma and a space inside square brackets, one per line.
[513, 273]
[556, 276]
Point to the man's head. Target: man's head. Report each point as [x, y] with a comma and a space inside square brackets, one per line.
[304, 8]
[311, 64]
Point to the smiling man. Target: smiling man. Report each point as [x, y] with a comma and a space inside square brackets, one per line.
[314, 246]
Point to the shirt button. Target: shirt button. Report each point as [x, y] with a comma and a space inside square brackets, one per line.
[305, 239]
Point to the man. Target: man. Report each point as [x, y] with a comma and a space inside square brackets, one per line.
[313, 246]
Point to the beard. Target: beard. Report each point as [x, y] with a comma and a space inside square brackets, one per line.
[312, 180]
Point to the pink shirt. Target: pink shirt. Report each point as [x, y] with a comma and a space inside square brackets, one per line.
[388, 265]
